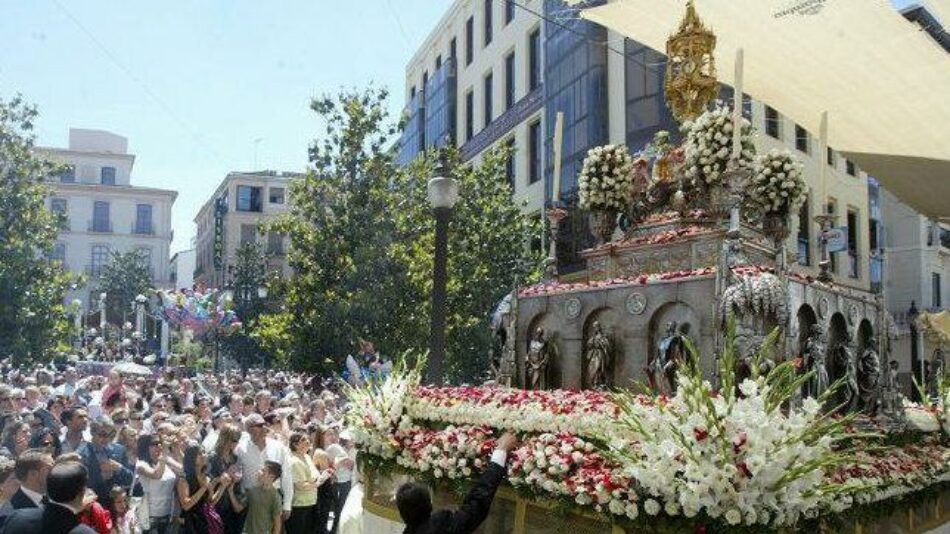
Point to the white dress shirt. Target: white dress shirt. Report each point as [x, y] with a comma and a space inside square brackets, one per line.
[251, 459]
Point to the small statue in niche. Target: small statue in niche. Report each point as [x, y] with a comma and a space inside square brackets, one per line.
[869, 375]
[656, 369]
[846, 400]
[597, 357]
[676, 354]
[541, 351]
[892, 388]
[814, 353]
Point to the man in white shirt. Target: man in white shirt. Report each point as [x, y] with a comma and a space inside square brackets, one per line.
[75, 429]
[252, 453]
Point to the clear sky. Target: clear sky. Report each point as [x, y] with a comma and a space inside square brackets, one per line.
[192, 84]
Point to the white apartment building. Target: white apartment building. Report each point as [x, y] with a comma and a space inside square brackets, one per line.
[918, 259]
[496, 72]
[232, 216]
[181, 269]
[105, 213]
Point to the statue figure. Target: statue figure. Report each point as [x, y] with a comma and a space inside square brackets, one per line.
[892, 389]
[597, 357]
[659, 364]
[844, 367]
[869, 374]
[936, 373]
[540, 351]
[676, 353]
[814, 354]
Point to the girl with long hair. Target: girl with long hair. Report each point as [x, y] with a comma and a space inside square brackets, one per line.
[198, 494]
[224, 461]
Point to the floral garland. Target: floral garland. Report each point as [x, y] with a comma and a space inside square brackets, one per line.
[584, 413]
[554, 288]
[606, 178]
[778, 184]
[708, 146]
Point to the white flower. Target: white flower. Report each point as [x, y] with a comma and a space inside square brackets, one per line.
[651, 507]
[733, 517]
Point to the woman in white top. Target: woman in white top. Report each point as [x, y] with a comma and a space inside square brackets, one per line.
[343, 465]
[158, 482]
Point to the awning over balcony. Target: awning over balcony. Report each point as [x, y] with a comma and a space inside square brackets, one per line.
[884, 83]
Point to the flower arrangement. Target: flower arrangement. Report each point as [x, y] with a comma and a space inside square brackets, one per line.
[703, 457]
[738, 459]
[606, 179]
[778, 183]
[708, 146]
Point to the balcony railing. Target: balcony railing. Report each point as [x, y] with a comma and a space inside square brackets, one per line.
[103, 227]
[143, 228]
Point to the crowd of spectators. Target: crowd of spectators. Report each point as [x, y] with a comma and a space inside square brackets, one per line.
[256, 452]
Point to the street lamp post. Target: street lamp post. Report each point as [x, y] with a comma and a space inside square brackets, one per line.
[443, 193]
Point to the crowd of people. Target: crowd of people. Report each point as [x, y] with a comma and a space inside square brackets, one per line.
[259, 452]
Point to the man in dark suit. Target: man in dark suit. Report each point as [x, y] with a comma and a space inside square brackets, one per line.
[103, 460]
[31, 469]
[66, 488]
[415, 503]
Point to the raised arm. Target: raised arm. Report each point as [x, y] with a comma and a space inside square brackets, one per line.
[477, 503]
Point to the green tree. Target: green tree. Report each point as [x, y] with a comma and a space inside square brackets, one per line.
[33, 323]
[248, 277]
[338, 233]
[122, 279]
[362, 235]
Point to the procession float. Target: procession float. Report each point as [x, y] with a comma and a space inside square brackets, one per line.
[690, 381]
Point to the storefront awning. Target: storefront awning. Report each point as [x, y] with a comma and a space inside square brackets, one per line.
[883, 81]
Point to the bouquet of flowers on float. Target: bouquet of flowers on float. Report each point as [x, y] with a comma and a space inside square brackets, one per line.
[708, 146]
[606, 179]
[737, 458]
[777, 185]
[377, 410]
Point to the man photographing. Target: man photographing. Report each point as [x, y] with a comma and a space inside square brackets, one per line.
[415, 503]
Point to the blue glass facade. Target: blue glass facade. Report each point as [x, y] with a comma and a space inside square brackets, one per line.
[647, 112]
[575, 83]
[413, 135]
[440, 104]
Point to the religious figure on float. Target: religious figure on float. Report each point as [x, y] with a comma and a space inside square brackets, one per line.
[541, 351]
[842, 359]
[598, 357]
[814, 352]
[674, 353]
[892, 388]
[869, 375]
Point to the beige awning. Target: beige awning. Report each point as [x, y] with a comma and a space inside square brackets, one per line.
[884, 83]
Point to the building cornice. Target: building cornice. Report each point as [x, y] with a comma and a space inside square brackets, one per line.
[116, 190]
[68, 152]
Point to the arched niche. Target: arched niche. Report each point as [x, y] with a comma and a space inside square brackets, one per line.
[837, 334]
[865, 333]
[609, 320]
[548, 322]
[678, 312]
[804, 320]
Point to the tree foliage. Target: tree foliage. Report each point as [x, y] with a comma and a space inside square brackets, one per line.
[32, 288]
[362, 235]
[122, 279]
